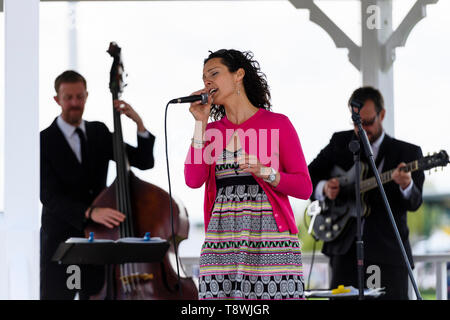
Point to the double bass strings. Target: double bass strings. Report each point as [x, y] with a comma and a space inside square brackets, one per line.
[128, 272]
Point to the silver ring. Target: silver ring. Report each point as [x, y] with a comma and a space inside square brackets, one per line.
[248, 165]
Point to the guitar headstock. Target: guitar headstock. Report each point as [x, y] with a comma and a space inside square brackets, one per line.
[439, 159]
[116, 82]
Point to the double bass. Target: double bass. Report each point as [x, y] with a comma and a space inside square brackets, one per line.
[147, 209]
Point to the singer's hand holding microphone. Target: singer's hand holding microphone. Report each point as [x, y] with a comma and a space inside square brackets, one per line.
[200, 109]
[200, 104]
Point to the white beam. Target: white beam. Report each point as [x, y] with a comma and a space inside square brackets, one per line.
[372, 71]
[20, 224]
[367, 58]
[341, 40]
[73, 47]
[151, 0]
[400, 35]
[374, 59]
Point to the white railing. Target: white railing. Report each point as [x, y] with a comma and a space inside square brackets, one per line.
[439, 262]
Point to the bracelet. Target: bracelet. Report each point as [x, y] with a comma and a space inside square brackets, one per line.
[198, 142]
[91, 208]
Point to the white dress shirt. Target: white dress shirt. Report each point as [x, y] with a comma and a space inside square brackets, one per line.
[71, 136]
[318, 192]
[74, 140]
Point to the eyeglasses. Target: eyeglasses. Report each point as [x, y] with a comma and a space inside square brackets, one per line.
[367, 123]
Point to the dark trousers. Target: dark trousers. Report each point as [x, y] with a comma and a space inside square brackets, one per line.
[54, 276]
[394, 279]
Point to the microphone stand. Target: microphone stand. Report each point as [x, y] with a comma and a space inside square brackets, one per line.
[368, 151]
[354, 147]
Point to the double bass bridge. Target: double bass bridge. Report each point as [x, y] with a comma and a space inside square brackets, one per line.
[130, 279]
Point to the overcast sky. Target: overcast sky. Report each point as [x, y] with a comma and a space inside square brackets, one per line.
[164, 44]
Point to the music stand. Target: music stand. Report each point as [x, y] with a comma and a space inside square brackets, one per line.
[110, 253]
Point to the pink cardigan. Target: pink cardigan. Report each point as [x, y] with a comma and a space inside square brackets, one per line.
[266, 134]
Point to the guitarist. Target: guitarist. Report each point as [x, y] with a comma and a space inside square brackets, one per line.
[404, 194]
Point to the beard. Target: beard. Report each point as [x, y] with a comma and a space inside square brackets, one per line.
[374, 136]
[73, 115]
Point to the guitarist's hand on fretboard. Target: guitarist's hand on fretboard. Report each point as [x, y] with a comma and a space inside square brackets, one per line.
[331, 188]
[401, 177]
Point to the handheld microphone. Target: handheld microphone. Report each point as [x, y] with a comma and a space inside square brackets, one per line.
[203, 97]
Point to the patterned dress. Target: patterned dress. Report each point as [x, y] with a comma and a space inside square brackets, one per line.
[244, 256]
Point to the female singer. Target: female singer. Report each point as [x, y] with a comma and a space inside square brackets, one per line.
[251, 160]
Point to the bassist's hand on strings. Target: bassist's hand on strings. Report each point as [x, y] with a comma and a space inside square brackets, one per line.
[331, 188]
[124, 108]
[402, 178]
[108, 217]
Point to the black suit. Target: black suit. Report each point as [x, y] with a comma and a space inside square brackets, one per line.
[68, 189]
[380, 244]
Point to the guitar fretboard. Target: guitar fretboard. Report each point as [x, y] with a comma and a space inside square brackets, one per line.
[371, 183]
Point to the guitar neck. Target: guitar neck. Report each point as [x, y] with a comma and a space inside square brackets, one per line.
[371, 183]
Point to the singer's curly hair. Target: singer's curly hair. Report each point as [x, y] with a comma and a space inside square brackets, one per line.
[255, 83]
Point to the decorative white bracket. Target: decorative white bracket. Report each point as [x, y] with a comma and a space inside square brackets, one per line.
[400, 35]
[341, 40]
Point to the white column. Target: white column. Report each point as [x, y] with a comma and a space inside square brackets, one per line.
[19, 261]
[441, 280]
[73, 49]
[374, 71]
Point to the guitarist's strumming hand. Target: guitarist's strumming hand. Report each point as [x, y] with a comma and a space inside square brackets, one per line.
[331, 188]
[402, 178]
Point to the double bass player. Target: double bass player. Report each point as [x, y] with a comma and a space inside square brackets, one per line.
[74, 162]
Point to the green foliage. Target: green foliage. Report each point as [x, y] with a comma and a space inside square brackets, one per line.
[422, 222]
[417, 223]
[429, 294]
[306, 239]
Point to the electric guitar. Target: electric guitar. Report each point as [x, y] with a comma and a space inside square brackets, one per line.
[329, 217]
